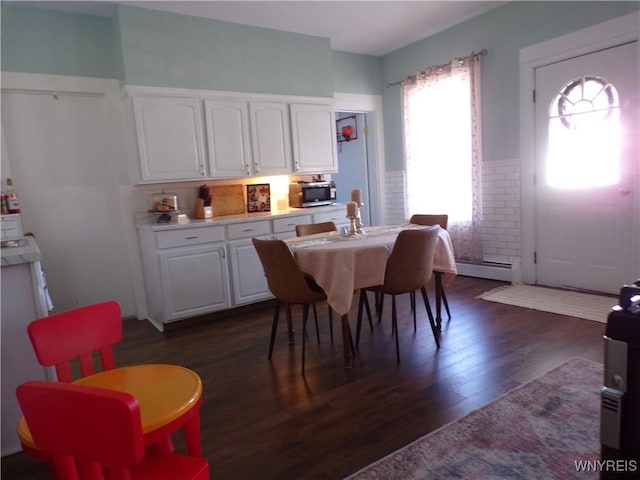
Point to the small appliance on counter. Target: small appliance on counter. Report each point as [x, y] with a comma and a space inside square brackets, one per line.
[165, 206]
[620, 395]
[311, 194]
[164, 202]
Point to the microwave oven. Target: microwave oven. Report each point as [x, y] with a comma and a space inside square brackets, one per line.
[311, 194]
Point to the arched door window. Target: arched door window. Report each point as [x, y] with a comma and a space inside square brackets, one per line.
[584, 135]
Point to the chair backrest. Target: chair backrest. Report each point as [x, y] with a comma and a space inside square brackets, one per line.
[410, 264]
[76, 334]
[96, 426]
[311, 228]
[285, 279]
[430, 219]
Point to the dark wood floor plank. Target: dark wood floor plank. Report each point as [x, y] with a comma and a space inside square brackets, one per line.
[261, 419]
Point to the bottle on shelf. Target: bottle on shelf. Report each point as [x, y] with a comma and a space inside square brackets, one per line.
[13, 204]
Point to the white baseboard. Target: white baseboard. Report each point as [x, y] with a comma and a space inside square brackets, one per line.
[502, 272]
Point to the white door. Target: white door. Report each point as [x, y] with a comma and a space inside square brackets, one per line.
[587, 185]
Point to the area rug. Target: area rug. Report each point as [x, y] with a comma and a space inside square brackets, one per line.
[545, 429]
[564, 302]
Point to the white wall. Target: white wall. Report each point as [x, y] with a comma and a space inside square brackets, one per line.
[65, 142]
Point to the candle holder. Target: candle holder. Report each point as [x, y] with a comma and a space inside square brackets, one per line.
[359, 220]
[353, 225]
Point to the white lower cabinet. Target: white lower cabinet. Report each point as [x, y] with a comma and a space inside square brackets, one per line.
[195, 280]
[195, 269]
[339, 217]
[249, 282]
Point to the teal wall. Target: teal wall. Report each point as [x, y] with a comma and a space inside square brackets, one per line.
[39, 41]
[353, 73]
[503, 32]
[145, 47]
[164, 49]
[152, 48]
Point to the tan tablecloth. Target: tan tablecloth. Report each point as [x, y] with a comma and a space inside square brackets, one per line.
[341, 265]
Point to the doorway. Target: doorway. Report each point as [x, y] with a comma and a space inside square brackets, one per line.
[353, 163]
[586, 165]
[618, 31]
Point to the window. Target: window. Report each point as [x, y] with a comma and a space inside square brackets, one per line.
[442, 149]
[584, 135]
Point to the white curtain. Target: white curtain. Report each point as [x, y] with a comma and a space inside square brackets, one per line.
[443, 151]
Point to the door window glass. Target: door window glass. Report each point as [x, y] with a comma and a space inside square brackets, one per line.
[584, 135]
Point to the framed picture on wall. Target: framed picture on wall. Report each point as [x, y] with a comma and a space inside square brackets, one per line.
[259, 197]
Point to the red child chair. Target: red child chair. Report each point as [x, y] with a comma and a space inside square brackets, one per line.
[76, 334]
[91, 432]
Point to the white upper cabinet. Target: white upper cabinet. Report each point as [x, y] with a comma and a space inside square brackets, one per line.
[183, 135]
[270, 138]
[228, 144]
[169, 134]
[313, 129]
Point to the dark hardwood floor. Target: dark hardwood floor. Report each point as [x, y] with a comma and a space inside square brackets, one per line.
[262, 420]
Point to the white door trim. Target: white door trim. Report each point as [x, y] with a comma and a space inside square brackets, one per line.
[603, 35]
[372, 105]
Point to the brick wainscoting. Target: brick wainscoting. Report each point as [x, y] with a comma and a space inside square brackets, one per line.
[501, 209]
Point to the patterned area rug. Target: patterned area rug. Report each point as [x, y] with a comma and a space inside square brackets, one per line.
[564, 302]
[539, 430]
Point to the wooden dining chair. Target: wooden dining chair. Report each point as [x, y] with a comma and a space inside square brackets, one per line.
[409, 268]
[428, 220]
[95, 434]
[288, 284]
[303, 229]
[312, 228]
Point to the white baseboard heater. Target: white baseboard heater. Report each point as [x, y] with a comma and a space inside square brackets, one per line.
[504, 272]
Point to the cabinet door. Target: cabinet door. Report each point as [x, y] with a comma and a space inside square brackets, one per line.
[338, 216]
[249, 282]
[270, 138]
[227, 125]
[194, 281]
[313, 129]
[169, 135]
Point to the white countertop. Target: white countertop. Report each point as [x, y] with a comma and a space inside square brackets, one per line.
[16, 255]
[148, 221]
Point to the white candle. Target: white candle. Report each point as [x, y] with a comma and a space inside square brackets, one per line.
[352, 209]
[356, 196]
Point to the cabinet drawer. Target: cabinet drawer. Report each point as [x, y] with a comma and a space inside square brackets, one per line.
[289, 224]
[248, 229]
[189, 236]
[337, 217]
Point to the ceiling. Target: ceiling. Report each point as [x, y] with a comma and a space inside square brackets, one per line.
[365, 27]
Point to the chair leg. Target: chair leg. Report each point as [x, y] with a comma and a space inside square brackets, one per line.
[290, 325]
[446, 304]
[315, 316]
[366, 306]
[274, 327]
[380, 305]
[394, 319]
[361, 302]
[330, 322]
[305, 316]
[413, 308]
[434, 329]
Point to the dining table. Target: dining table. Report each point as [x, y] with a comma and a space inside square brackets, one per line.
[343, 263]
[169, 396]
